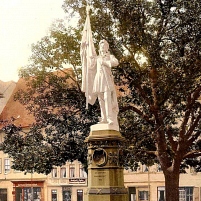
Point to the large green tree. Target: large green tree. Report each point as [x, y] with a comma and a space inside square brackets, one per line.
[158, 44]
[52, 94]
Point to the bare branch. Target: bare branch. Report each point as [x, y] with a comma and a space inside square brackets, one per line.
[192, 128]
[171, 140]
[192, 154]
[152, 153]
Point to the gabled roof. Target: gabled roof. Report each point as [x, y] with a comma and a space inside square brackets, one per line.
[14, 109]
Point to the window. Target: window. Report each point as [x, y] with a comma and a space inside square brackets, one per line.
[186, 194]
[67, 192]
[182, 195]
[79, 195]
[3, 194]
[54, 172]
[132, 193]
[63, 172]
[72, 171]
[189, 193]
[28, 194]
[143, 195]
[133, 197]
[161, 193]
[66, 195]
[82, 172]
[18, 194]
[54, 195]
[37, 194]
[6, 165]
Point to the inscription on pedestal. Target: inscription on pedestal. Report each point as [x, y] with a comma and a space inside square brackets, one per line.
[100, 176]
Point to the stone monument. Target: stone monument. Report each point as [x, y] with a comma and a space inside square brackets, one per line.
[105, 173]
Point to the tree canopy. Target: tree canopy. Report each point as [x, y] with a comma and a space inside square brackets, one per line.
[158, 44]
[53, 95]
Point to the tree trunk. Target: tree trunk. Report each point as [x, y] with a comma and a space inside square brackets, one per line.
[172, 185]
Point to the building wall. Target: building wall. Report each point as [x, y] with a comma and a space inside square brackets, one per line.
[152, 180]
[70, 183]
[61, 184]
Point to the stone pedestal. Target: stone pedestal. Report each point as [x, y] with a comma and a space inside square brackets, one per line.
[105, 173]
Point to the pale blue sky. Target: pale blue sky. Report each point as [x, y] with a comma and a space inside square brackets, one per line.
[23, 22]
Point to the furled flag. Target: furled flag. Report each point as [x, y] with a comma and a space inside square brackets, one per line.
[88, 59]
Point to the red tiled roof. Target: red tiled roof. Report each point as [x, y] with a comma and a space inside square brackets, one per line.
[14, 109]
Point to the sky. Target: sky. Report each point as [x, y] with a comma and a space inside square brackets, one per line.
[22, 23]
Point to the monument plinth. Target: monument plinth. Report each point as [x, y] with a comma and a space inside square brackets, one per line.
[105, 173]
